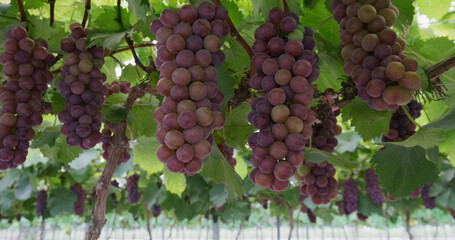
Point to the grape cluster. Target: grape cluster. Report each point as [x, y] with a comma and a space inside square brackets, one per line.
[385, 77]
[428, 202]
[228, 153]
[131, 188]
[285, 68]
[156, 210]
[372, 187]
[452, 212]
[107, 146]
[26, 66]
[350, 196]
[83, 87]
[79, 204]
[41, 202]
[361, 217]
[188, 50]
[317, 180]
[118, 87]
[311, 215]
[401, 127]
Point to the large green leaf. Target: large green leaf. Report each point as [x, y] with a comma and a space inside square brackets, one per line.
[317, 156]
[139, 8]
[146, 155]
[407, 12]
[425, 137]
[402, 170]
[61, 201]
[237, 129]
[174, 182]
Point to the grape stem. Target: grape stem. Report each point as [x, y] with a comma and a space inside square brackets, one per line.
[286, 7]
[122, 49]
[410, 117]
[52, 7]
[119, 144]
[433, 72]
[88, 5]
[21, 10]
[136, 58]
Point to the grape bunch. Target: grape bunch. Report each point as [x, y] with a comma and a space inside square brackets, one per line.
[452, 212]
[107, 146]
[385, 77]
[285, 68]
[228, 153]
[311, 215]
[188, 50]
[156, 210]
[131, 188]
[41, 202]
[83, 87]
[118, 87]
[79, 204]
[361, 217]
[317, 180]
[401, 127]
[350, 196]
[428, 202]
[26, 66]
[372, 187]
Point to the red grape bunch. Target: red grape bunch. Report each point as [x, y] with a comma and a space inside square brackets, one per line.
[26, 66]
[385, 77]
[401, 127]
[188, 50]
[311, 215]
[156, 210]
[118, 87]
[285, 68]
[317, 180]
[428, 202]
[107, 146]
[79, 204]
[350, 196]
[228, 153]
[131, 188]
[372, 187]
[41, 202]
[83, 87]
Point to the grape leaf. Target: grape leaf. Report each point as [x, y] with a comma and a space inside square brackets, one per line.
[146, 155]
[241, 168]
[330, 69]
[218, 196]
[326, 214]
[335, 160]
[4, 7]
[174, 182]
[237, 129]
[58, 102]
[425, 137]
[114, 113]
[264, 7]
[47, 137]
[234, 11]
[62, 201]
[24, 187]
[407, 12]
[434, 8]
[368, 122]
[315, 157]
[60, 152]
[109, 40]
[401, 170]
[226, 84]
[139, 8]
[447, 122]
[139, 121]
[218, 170]
[237, 59]
[367, 207]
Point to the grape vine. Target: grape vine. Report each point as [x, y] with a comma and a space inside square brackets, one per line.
[350, 196]
[372, 187]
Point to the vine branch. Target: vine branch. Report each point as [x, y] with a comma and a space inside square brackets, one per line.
[120, 142]
[436, 70]
[52, 9]
[286, 7]
[21, 10]
[136, 58]
[88, 5]
[122, 49]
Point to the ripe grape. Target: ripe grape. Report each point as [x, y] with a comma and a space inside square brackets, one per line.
[79, 204]
[132, 189]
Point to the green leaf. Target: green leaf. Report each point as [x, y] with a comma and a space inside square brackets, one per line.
[326, 214]
[108, 40]
[401, 170]
[264, 6]
[60, 152]
[348, 141]
[24, 187]
[368, 122]
[237, 129]
[139, 121]
[114, 113]
[226, 83]
[139, 8]
[425, 137]
[434, 8]
[407, 12]
[146, 155]
[241, 168]
[335, 160]
[447, 122]
[219, 171]
[237, 59]
[367, 207]
[174, 182]
[330, 70]
[62, 201]
[58, 102]
[132, 73]
[218, 196]
[84, 159]
[47, 137]
[40, 29]
[4, 7]
[315, 157]
[234, 11]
